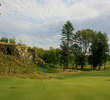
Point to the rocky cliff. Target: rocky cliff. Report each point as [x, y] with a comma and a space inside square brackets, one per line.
[17, 50]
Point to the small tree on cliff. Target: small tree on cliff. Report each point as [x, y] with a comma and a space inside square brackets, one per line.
[12, 40]
[4, 39]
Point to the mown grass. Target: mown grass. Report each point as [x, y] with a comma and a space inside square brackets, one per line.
[88, 85]
[25, 82]
[91, 73]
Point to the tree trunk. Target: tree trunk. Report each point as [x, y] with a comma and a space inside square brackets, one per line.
[73, 67]
[99, 67]
[94, 68]
[76, 67]
[60, 64]
[105, 66]
[67, 65]
[63, 68]
[82, 66]
[91, 67]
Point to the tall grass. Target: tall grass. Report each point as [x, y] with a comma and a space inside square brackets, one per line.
[15, 65]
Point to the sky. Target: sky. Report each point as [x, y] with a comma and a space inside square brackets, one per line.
[39, 22]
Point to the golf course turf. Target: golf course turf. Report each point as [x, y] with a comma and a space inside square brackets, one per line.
[88, 85]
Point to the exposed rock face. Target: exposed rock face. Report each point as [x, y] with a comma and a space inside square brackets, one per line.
[16, 50]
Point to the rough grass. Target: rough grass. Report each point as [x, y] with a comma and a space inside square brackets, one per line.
[89, 85]
[14, 65]
[22, 68]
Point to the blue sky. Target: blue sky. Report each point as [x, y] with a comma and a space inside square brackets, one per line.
[39, 22]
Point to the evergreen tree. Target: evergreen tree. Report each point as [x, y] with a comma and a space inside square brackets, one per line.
[99, 50]
[67, 36]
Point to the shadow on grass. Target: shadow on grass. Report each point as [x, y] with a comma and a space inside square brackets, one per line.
[12, 87]
[47, 69]
[86, 69]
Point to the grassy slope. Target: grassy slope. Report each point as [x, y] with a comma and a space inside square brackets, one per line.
[93, 85]
[16, 65]
[19, 67]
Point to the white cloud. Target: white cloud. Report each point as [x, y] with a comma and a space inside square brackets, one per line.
[38, 22]
[48, 9]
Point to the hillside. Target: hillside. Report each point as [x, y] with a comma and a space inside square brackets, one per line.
[15, 65]
[22, 68]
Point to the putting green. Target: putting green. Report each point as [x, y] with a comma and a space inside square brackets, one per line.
[85, 86]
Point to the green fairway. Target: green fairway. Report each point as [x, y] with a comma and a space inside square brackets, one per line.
[91, 85]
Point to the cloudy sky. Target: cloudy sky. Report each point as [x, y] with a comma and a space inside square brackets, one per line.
[39, 22]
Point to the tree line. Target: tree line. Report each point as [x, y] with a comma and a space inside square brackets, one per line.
[77, 49]
[84, 45]
[8, 40]
[81, 48]
[11, 40]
